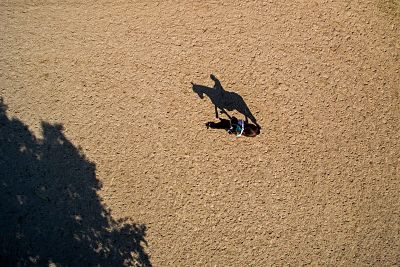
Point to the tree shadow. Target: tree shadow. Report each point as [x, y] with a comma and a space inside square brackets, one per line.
[50, 211]
[224, 100]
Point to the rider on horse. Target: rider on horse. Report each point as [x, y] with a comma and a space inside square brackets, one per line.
[237, 126]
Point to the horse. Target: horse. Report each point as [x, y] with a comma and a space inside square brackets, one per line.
[224, 100]
[250, 130]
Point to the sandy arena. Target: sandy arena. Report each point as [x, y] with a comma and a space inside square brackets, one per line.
[106, 161]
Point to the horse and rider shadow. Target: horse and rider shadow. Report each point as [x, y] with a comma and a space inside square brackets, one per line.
[227, 101]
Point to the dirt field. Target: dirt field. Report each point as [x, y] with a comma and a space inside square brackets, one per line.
[319, 186]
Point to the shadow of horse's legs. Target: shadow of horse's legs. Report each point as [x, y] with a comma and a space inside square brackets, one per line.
[221, 111]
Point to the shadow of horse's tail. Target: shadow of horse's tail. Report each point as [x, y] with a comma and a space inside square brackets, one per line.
[247, 113]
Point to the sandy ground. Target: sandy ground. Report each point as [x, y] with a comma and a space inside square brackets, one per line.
[319, 186]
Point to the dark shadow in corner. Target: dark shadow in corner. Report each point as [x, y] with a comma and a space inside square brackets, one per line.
[224, 100]
[49, 208]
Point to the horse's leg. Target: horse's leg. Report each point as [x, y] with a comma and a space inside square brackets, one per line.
[216, 112]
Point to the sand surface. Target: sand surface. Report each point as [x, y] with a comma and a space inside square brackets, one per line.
[320, 185]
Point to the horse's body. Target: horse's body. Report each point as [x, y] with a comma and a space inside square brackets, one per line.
[250, 130]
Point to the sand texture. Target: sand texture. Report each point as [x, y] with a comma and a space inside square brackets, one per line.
[106, 161]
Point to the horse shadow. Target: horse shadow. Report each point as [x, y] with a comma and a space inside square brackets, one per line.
[224, 100]
[51, 213]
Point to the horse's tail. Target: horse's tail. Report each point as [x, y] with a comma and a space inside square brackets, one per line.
[258, 128]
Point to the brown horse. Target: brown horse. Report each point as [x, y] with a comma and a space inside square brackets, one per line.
[250, 130]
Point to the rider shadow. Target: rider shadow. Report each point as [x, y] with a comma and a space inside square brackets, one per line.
[224, 100]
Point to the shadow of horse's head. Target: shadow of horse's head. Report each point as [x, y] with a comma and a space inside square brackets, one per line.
[200, 90]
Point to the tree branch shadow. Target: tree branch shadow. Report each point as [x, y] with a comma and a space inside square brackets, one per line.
[50, 209]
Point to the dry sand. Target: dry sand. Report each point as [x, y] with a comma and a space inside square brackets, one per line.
[319, 186]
